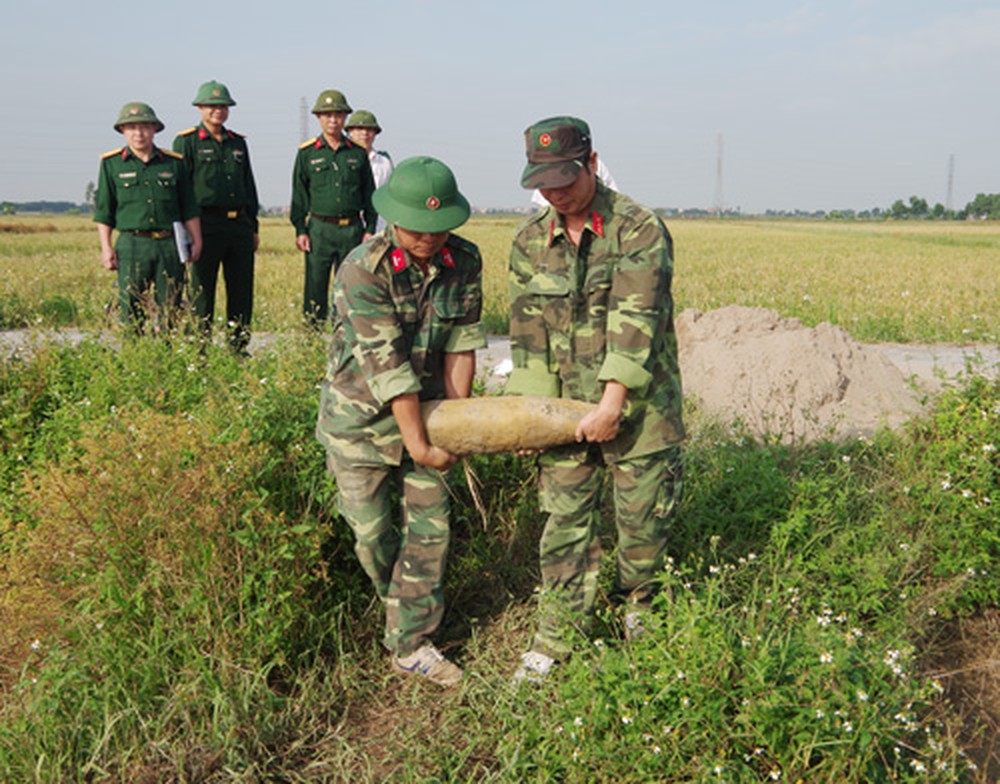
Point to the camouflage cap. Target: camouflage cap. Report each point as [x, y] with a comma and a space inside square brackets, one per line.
[422, 195]
[213, 93]
[331, 101]
[556, 148]
[137, 112]
[362, 118]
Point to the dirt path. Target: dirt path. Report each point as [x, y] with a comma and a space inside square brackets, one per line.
[772, 374]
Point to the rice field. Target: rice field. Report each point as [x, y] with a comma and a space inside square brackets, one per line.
[923, 282]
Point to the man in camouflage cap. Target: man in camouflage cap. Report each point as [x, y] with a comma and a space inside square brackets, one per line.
[224, 188]
[331, 210]
[406, 328]
[142, 191]
[592, 319]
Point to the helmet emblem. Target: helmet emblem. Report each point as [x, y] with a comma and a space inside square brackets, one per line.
[433, 202]
[216, 93]
[134, 110]
[545, 140]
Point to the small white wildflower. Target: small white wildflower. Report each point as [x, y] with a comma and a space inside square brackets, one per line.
[775, 775]
[578, 721]
[681, 675]
[918, 766]
[932, 612]
[967, 493]
[826, 657]
[987, 448]
[819, 713]
[598, 643]
[823, 620]
[36, 644]
[686, 701]
[713, 569]
[656, 749]
[862, 695]
[904, 546]
[945, 485]
[626, 719]
[846, 458]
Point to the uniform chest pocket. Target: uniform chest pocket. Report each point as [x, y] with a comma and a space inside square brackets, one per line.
[597, 291]
[453, 305]
[551, 294]
[166, 189]
[129, 191]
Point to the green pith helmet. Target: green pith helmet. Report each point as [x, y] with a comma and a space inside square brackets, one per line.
[137, 112]
[556, 148]
[362, 118]
[422, 195]
[331, 101]
[213, 93]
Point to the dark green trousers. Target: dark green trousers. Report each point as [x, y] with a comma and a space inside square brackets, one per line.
[330, 245]
[150, 280]
[227, 244]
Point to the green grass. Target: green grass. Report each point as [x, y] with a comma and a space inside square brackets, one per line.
[179, 603]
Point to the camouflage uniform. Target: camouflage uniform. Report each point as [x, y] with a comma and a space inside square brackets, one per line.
[582, 316]
[393, 327]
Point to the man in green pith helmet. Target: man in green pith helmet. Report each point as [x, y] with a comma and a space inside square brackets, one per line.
[362, 127]
[592, 319]
[142, 191]
[226, 193]
[331, 210]
[406, 329]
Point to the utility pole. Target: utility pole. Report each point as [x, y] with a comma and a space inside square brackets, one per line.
[303, 119]
[719, 203]
[951, 181]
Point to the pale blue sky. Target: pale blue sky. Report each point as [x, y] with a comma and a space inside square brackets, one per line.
[821, 105]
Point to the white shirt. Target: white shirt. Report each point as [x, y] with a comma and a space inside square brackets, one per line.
[381, 169]
[603, 174]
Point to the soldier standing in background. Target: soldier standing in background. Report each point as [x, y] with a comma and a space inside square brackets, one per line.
[592, 319]
[331, 210]
[224, 188]
[362, 127]
[406, 329]
[142, 191]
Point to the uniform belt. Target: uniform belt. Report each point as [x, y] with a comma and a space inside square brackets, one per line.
[223, 212]
[153, 235]
[345, 220]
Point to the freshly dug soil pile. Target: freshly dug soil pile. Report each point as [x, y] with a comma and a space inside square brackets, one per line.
[777, 376]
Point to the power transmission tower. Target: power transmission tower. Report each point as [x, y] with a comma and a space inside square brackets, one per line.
[719, 203]
[303, 120]
[951, 181]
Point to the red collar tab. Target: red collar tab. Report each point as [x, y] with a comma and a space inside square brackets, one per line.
[597, 220]
[552, 231]
[319, 142]
[202, 134]
[446, 257]
[125, 153]
[398, 260]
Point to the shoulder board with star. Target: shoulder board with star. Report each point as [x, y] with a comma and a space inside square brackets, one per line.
[188, 131]
[309, 143]
[112, 153]
[172, 154]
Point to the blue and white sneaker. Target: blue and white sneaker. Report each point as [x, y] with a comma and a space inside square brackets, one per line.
[535, 667]
[429, 663]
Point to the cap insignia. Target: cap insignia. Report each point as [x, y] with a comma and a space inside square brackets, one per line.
[545, 140]
[433, 202]
[216, 93]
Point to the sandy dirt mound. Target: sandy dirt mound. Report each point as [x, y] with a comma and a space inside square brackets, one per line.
[779, 377]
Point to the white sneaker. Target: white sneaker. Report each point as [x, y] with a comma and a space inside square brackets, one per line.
[429, 663]
[634, 628]
[535, 667]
